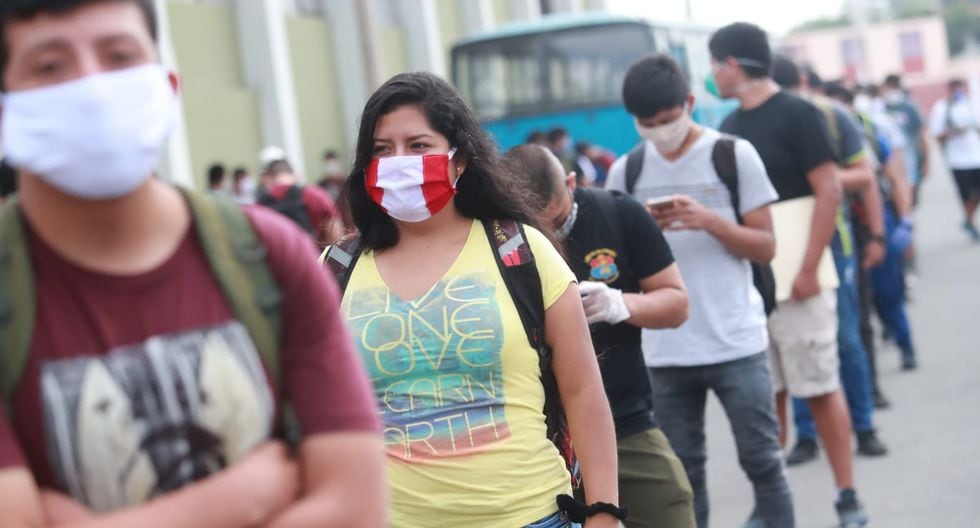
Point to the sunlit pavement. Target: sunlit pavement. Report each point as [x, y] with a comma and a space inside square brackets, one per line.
[931, 477]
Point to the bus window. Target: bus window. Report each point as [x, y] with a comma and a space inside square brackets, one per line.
[548, 71]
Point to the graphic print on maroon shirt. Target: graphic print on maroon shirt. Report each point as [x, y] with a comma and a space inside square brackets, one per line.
[150, 418]
[137, 385]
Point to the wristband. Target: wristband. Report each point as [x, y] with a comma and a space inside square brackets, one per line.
[879, 238]
[578, 512]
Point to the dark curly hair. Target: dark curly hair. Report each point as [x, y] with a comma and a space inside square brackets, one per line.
[487, 190]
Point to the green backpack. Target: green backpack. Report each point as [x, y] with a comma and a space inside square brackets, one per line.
[233, 249]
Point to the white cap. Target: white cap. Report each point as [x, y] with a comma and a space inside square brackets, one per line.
[271, 153]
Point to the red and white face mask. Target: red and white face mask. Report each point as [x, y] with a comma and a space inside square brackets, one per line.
[411, 188]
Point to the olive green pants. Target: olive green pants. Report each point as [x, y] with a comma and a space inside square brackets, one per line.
[653, 484]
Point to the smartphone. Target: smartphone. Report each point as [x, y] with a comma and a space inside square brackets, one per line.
[660, 202]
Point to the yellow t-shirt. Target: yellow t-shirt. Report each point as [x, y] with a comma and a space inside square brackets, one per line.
[459, 391]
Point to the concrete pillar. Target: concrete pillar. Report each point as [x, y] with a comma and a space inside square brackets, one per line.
[477, 16]
[525, 9]
[175, 166]
[424, 38]
[353, 70]
[566, 6]
[269, 72]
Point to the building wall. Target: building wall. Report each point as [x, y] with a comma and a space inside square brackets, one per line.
[450, 25]
[223, 113]
[222, 117]
[882, 51]
[317, 92]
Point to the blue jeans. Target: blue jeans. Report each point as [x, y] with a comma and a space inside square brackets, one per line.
[888, 282]
[744, 388]
[854, 372]
[556, 520]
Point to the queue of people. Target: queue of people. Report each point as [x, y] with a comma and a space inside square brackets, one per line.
[491, 344]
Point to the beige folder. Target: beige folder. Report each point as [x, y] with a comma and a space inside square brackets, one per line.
[791, 225]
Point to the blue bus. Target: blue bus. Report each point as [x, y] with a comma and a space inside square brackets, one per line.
[568, 71]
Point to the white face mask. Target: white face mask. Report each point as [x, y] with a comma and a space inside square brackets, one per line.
[667, 138]
[95, 138]
[894, 97]
[863, 103]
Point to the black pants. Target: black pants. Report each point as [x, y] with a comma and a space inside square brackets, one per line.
[862, 237]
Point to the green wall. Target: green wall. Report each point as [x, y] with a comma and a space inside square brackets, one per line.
[449, 25]
[394, 51]
[222, 117]
[317, 87]
[501, 11]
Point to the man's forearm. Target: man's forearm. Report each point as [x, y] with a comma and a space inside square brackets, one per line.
[822, 227]
[190, 507]
[662, 308]
[901, 190]
[745, 242]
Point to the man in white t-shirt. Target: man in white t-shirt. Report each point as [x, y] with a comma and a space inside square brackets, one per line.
[954, 122]
[722, 347]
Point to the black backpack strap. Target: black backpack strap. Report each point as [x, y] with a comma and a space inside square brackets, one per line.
[514, 258]
[634, 165]
[516, 263]
[341, 257]
[17, 300]
[237, 257]
[726, 166]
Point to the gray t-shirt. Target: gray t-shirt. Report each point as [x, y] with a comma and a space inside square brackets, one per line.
[727, 320]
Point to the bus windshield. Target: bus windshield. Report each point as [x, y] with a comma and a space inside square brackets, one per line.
[549, 71]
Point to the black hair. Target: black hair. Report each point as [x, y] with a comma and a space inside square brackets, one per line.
[557, 134]
[836, 90]
[238, 174]
[8, 179]
[893, 81]
[870, 89]
[536, 136]
[653, 84]
[786, 73]
[747, 43]
[330, 154]
[487, 190]
[277, 167]
[216, 174]
[537, 165]
[812, 79]
[22, 10]
[956, 83]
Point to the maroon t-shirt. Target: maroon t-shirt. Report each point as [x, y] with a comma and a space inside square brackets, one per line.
[137, 385]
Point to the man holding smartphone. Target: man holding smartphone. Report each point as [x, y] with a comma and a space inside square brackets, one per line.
[722, 347]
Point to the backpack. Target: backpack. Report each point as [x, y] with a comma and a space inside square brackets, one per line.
[233, 249]
[726, 167]
[291, 206]
[520, 273]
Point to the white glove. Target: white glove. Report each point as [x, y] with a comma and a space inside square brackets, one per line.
[603, 304]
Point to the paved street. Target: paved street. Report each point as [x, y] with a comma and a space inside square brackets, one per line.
[931, 478]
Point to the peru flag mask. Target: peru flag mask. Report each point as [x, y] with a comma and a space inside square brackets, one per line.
[411, 188]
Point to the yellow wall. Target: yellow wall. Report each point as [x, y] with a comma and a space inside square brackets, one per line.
[317, 92]
[222, 117]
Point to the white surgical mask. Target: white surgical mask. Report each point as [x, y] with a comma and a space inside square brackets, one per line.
[667, 138]
[894, 97]
[95, 138]
[863, 104]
